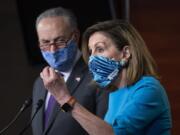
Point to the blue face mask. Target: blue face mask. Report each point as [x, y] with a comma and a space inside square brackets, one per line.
[104, 70]
[63, 58]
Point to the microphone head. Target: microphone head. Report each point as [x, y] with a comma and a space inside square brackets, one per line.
[26, 104]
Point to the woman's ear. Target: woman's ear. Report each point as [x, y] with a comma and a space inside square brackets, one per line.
[126, 53]
[125, 56]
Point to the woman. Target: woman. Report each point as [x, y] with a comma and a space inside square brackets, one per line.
[120, 61]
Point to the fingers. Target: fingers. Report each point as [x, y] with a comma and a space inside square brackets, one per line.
[54, 83]
[52, 72]
[47, 73]
[44, 72]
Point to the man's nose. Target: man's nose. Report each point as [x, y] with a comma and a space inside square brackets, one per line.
[53, 47]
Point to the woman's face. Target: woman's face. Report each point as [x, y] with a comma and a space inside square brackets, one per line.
[101, 45]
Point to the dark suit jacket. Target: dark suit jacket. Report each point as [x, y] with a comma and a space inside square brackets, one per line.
[88, 95]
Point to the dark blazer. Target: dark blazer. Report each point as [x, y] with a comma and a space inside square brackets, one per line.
[88, 95]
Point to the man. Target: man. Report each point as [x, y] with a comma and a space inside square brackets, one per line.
[58, 41]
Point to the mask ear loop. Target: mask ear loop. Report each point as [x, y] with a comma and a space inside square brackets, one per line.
[70, 39]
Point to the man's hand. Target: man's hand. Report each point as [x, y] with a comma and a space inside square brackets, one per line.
[55, 84]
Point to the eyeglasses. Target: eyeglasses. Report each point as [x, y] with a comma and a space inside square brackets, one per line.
[58, 42]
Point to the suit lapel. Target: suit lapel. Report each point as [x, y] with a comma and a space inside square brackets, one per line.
[76, 76]
[56, 110]
[39, 119]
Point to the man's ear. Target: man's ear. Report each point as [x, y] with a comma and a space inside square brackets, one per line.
[77, 35]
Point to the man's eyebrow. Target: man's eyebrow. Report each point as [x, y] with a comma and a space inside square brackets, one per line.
[43, 40]
[56, 38]
[60, 37]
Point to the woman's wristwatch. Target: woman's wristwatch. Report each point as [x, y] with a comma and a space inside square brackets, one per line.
[68, 106]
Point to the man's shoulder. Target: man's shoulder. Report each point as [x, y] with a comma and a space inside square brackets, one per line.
[38, 84]
[80, 63]
[38, 80]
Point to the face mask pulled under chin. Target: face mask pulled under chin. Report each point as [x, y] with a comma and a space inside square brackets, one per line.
[63, 58]
[104, 70]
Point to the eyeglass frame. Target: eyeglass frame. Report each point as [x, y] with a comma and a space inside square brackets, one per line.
[59, 42]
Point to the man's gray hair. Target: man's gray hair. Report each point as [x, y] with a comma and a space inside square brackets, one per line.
[56, 12]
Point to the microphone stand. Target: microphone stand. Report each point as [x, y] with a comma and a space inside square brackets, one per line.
[39, 105]
[26, 104]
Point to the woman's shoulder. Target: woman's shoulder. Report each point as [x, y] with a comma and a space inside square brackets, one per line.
[148, 86]
[149, 90]
[147, 82]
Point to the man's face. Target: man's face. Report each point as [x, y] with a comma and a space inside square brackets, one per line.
[53, 33]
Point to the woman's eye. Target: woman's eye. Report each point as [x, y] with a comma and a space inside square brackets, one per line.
[99, 49]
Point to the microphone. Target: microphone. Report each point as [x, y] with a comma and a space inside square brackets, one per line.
[25, 105]
[39, 105]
